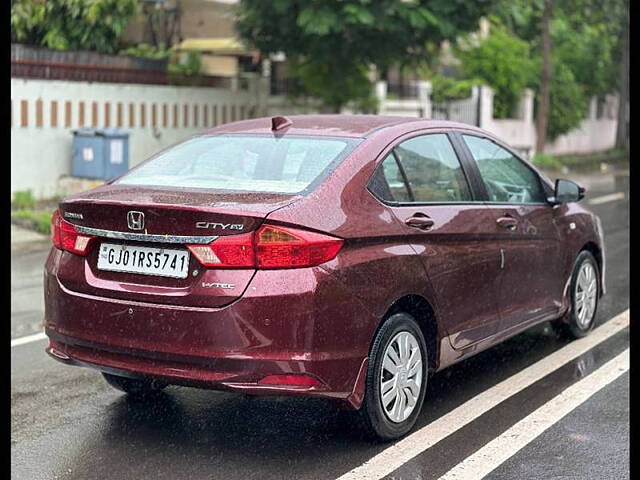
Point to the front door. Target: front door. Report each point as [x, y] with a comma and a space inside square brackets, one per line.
[428, 192]
[531, 283]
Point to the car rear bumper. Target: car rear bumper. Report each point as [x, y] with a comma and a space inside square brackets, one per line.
[279, 327]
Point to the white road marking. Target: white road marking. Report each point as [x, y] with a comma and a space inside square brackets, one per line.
[28, 339]
[404, 450]
[500, 449]
[606, 198]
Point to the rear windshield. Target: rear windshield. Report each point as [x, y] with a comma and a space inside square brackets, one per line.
[246, 163]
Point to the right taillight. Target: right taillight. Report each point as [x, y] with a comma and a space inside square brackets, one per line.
[270, 247]
[234, 251]
[279, 247]
[65, 236]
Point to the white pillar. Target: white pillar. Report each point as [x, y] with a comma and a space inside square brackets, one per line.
[486, 106]
[381, 95]
[526, 106]
[424, 95]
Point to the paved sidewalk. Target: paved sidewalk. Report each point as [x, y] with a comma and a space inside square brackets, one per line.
[21, 235]
[29, 251]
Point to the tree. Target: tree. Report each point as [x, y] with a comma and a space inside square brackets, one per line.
[334, 43]
[587, 39]
[545, 79]
[502, 61]
[71, 24]
[622, 133]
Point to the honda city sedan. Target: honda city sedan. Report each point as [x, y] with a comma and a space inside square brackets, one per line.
[334, 256]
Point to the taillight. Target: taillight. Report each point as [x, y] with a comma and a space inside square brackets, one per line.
[268, 248]
[234, 251]
[279, 247]
[55, 229]
[65, 236]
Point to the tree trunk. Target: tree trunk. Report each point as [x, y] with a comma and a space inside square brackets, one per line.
[545, 80]
[622, 131]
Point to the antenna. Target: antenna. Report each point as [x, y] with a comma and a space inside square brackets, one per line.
[280, 123]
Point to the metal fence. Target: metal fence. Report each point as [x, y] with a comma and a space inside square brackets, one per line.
[402, 90]
[42, 63]
[21, 53]
[285, 86]
[464, 111]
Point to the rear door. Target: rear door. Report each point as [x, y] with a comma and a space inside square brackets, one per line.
[531, 283]
[423, 182]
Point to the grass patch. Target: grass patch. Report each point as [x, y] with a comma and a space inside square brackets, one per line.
[579, 162]
[38, 220]
[23, 199]
[547, 161]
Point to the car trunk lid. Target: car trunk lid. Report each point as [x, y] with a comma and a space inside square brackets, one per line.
[167, 220]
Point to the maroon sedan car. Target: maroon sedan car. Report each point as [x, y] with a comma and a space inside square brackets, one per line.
[344, 257]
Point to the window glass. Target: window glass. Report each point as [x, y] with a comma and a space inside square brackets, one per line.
[433, 169]
[506, 177]
[387, 182]
[242, 162]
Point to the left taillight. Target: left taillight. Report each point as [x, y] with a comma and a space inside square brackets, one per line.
[65, 236]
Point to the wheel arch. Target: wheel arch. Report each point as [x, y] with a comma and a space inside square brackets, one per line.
[424, 314]
[596, 251]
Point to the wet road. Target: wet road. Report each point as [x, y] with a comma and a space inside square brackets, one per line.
[68, 424]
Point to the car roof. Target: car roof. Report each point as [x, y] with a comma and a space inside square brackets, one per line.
[357, 126]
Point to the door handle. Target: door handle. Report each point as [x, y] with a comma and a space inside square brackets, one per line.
[507, 222]
[420, 221]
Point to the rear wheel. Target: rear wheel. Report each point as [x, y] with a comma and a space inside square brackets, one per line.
[396, 378]
[583, 294]
[133, 386]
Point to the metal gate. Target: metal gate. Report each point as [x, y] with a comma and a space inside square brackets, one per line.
[466, 110]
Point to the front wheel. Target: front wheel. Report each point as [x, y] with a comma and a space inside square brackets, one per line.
[584, 291]
[396, 378]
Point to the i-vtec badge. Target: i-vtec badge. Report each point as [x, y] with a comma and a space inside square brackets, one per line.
[222, 226]
[226, 286]
[77, 216]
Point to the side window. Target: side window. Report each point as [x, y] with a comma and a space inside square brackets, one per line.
[387, 182]
[433, 170]
[506, 177]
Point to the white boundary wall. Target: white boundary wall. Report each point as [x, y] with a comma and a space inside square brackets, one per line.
[595, 133]
[44, 113]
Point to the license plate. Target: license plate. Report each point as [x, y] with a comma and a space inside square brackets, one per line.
[161, 262]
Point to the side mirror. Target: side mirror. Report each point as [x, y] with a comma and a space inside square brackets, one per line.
[567, 191]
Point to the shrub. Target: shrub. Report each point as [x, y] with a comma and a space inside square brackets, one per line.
[144, 50]
[547, 161]
[39, 220]
[503, 62]
[447, 88]
[23, 200]
[568, 102]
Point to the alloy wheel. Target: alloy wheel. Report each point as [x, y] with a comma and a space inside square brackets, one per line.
[401, 377]
[586, 289]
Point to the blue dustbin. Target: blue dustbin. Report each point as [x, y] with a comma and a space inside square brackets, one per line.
[100, 153]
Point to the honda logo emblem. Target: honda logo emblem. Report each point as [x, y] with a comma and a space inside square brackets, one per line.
[135, 220]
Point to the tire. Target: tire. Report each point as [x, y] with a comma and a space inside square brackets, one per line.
[132, 386]
[577, 322]
[390, 418]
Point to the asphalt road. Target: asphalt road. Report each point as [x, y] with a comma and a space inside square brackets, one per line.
[67, 423]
